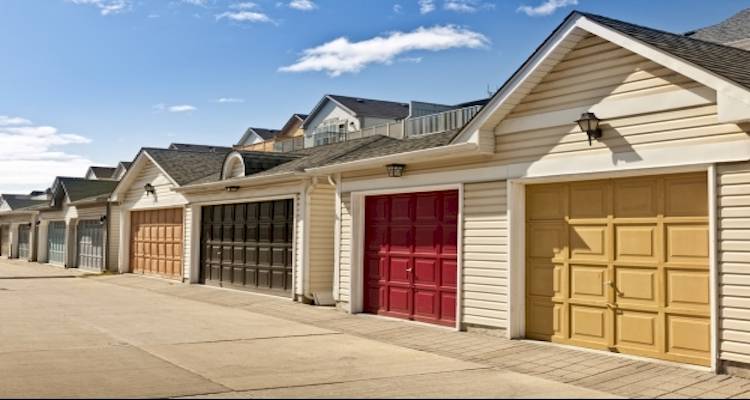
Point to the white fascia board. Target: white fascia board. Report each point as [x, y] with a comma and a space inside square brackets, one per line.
[471, 130]
[242, 182]
[728, 92]
[449, 151]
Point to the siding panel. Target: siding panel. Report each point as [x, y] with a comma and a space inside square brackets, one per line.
[733, 182]
[322, 221]
[485, 255]
[345, 250]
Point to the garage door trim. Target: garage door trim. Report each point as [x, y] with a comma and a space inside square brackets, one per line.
[517, 242]
[356, 284]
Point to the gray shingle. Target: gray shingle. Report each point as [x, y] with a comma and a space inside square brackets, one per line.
[373, 108]
[103, 172]
[18, 201]
[81, 188]
[732, 29]
[188, 166]
[204, 148]
[729, 62]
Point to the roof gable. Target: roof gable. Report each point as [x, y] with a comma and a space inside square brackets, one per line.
[681, 54]
[362, 107]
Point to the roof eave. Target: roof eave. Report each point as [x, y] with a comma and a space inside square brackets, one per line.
[444, 152]
[243, 182]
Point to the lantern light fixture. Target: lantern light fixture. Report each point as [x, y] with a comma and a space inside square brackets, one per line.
[395, 170]
[232, 189]
[149, 188]
[589, 123]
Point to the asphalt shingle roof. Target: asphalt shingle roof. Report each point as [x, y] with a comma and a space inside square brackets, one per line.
[735, 28]
[729, 62]
[189, 166]
[103, 172]
[264, 133]
[18, 201]
[259, 161]
[198, 147]
[373, 108]
[81, 188]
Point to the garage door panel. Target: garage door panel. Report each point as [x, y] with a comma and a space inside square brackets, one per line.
[687, 243]
[56, 242]
[636, 272]
[5, 241]
[255, 243]
[638, 331]
[688, 336]
[90, 247]
[589, 200]
[588, 282]
[589, 324]
[587, 242]
[687, 289]
[156, 242]
[410, 261]
[636, 243]
[637, 285]
[635, 198]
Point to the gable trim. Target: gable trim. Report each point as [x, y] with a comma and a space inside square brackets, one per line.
[126, 181]
[733, 100]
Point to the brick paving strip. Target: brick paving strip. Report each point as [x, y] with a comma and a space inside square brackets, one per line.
[617, 375]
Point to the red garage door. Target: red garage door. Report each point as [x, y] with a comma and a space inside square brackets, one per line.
[410, 256]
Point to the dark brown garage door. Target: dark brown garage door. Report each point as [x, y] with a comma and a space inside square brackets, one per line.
[248, 246]
[156, 242]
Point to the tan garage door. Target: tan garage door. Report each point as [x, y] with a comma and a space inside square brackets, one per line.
[156, 242]
[621, 265]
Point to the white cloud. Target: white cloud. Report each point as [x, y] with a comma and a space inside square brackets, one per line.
[244, 16]
[426, 6]
[303, 5]
[106, 7]
[397, 8]
[341, 55]
[6, 121]
[180, 108]
[466, 6]
[30, 158]
[243, 6]
[228, 100]
[546, 8]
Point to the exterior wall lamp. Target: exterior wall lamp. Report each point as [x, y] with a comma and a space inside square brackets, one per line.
[149, 188]
[232, 189]
[589, 123]
[395, 170]
[102, 219]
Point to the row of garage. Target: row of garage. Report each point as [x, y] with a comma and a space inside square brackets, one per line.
[635, 242]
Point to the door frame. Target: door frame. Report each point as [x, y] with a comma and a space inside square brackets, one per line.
[195, 239]
[517, 241]
[356, 283]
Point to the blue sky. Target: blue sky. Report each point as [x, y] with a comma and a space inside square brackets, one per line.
[92, 81]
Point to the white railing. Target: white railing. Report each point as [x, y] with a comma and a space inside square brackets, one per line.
[440, 122]
[424, 125]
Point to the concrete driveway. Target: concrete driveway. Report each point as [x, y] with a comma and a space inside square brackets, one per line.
[65, 334]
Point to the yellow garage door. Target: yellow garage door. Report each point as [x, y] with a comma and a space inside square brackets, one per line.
[621, 265]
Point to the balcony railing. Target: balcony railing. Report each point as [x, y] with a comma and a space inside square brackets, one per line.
[440, 122]
[411, 127]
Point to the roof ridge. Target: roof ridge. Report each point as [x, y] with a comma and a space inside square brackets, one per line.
[677, 35]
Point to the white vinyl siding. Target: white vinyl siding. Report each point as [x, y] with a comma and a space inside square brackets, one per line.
[164, 197]
[113, 237]
[485, 254]
[733, 191]
[187, 245]
[322, 220]
[345, 249]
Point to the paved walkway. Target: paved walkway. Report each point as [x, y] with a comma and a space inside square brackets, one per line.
[132, 336]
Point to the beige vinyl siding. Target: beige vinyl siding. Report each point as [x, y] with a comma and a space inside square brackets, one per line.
[113, 237]
[345, 249]
[187, 228]
[485, 254]
[136, 198]
[322, 220]
[95, 212]
[733, 191]
[598, 73]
